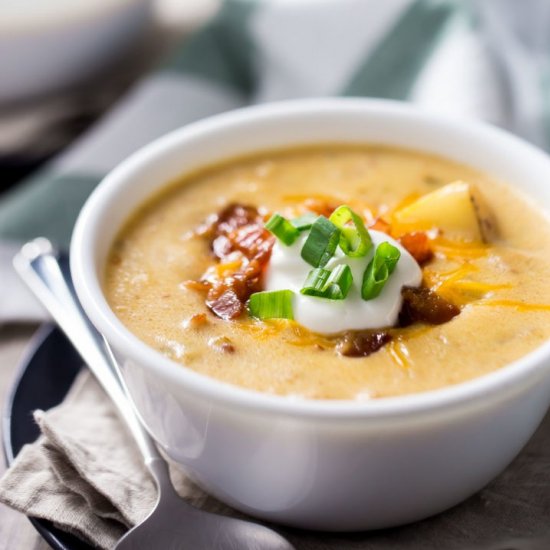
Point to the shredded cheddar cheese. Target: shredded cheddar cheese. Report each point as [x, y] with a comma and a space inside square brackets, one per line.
[460, 250]
[516, 304]
[399, 353]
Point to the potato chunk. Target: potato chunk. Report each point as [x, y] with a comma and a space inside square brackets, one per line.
[457, 209]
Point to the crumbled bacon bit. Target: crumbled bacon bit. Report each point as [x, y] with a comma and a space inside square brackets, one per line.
[222, 344]
[221, 246]
[320, 206]
[226, 305]
[195, 321]
[425, 306]
[241, 228]
[201, 286]
[418, 246]
[253, 240]
[232, 216]
[380, 224]
[240, 241]
[206, 229]
[235, 215]
[362, 343]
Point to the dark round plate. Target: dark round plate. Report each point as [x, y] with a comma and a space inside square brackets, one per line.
[39, 386]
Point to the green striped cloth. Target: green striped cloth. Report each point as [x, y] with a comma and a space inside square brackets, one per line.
[440, 54]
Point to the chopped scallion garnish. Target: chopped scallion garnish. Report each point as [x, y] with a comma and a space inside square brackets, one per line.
[379, 270]
[275, 304]
[302, 223]
[355, 240]
[282, 229]
[339, 282]
[390, 254]
[333, 285]
[321, 242]
[315, 282]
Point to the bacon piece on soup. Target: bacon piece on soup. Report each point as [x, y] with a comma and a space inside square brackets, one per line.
[222, 344]
[226, 305]
[425, 306]
[362, 343]
[380, 224]
[200, 286]
[196, 320]
[240, 227]
[236, 215]
[237, 231]
[221, 246]
[254, 241]
[320, 206]
[417, 245]
[227, 296]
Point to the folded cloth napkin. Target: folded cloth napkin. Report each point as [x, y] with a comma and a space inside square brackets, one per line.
[85, 475]
[487, 60]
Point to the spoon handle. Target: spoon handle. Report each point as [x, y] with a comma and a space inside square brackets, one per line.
[48, 276]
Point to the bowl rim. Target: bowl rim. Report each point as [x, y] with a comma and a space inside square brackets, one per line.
[509, 379]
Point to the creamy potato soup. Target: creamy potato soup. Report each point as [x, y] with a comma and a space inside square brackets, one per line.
[335, 272]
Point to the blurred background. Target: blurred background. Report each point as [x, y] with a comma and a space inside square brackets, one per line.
[63, 63]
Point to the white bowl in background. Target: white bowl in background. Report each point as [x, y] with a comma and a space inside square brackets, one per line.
[329, 465]
[48, 45]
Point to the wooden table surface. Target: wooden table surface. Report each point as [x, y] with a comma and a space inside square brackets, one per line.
[16, 532]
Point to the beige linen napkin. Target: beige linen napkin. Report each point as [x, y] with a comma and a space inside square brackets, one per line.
[84, 473]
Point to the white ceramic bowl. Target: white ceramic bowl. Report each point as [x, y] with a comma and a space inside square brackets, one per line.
[330, 465]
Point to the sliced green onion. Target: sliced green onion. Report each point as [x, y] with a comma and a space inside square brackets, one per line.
[339, 282]
[304, 222]
[321, 242]
[390, 254]
[379, 270]
[315, 282]
[275, 304]
[333, 285]
[355, 240]
[282, 229]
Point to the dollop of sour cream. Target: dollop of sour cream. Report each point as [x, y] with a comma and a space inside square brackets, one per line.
[287, 270]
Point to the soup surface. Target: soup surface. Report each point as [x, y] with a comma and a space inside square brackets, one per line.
[502, 285]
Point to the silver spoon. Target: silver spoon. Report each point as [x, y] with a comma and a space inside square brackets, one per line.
[173, 524]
